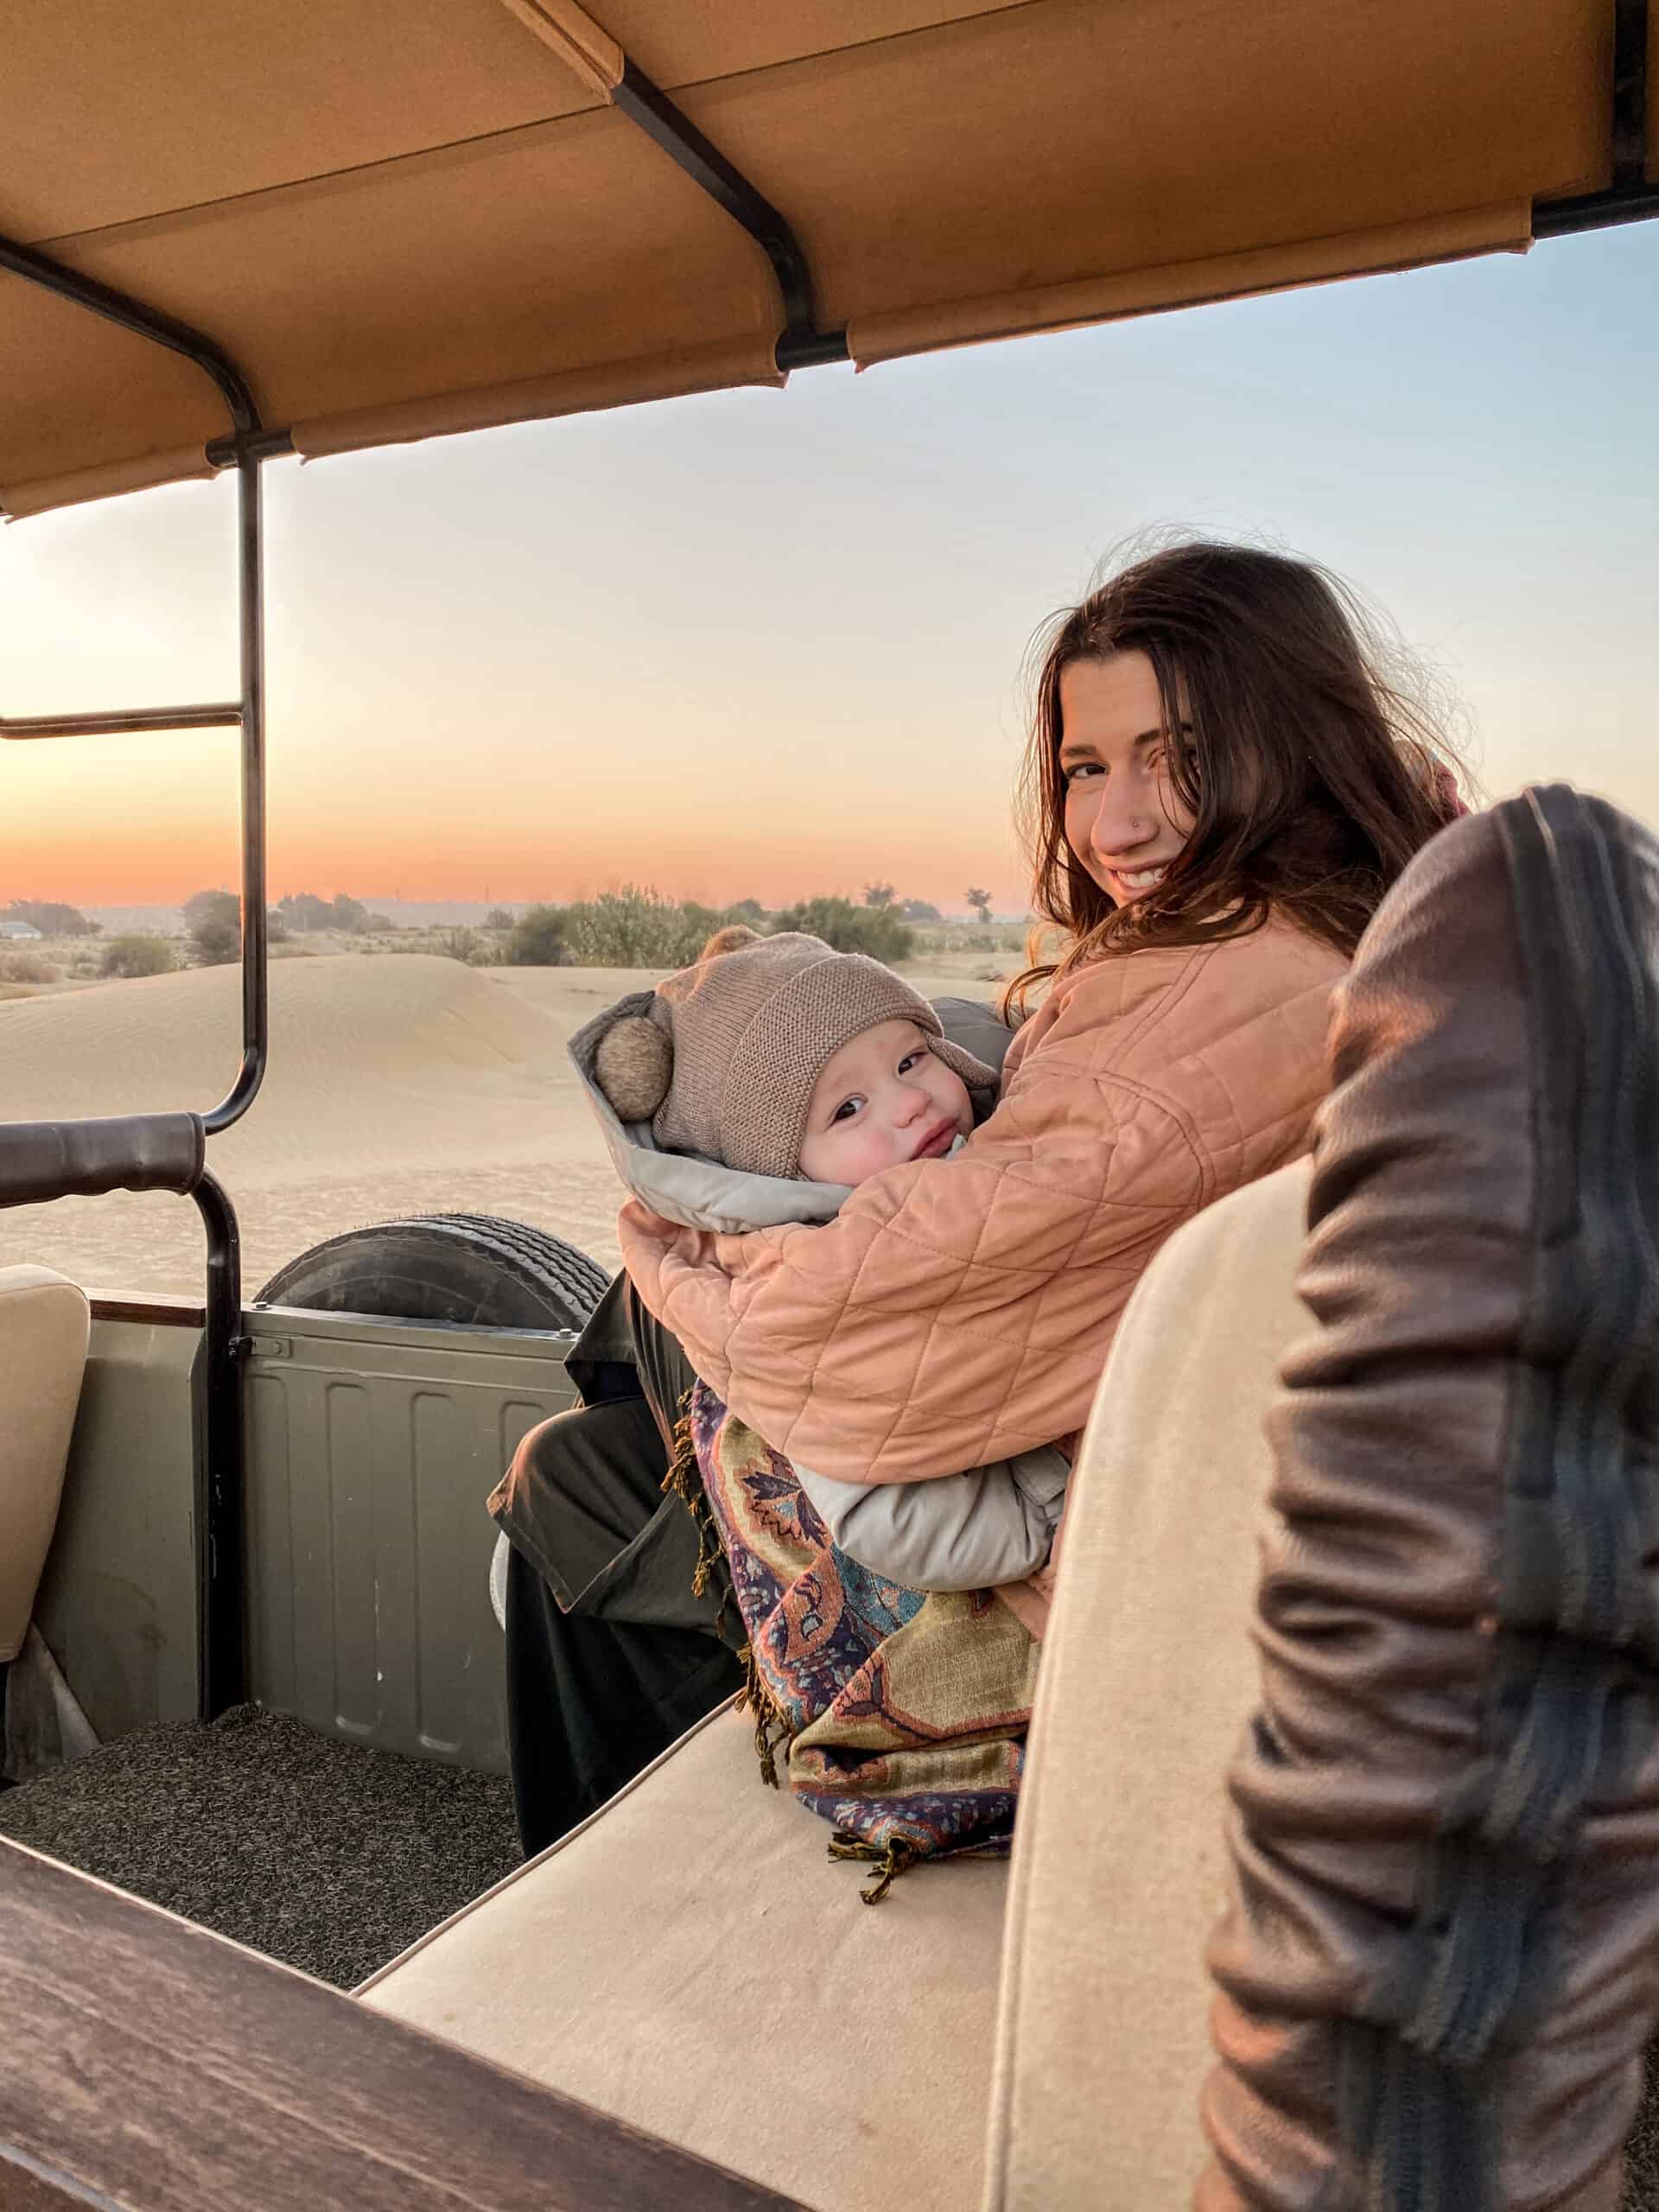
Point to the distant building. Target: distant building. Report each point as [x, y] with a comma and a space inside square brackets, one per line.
[18, 928]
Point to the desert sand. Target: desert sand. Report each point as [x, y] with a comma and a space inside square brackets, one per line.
[395, 1086]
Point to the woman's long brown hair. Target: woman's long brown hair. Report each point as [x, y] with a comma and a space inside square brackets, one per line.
[1312, 778]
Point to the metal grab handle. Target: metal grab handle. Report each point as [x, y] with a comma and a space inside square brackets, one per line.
[83, 1159]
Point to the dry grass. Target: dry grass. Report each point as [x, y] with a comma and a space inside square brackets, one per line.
[26, 968]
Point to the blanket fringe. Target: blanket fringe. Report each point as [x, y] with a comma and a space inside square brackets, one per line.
[773, 1730]
[897, 1859]
[685, 1480]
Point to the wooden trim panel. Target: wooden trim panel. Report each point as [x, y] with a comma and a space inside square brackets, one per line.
[147, 2065]
[162, 1313]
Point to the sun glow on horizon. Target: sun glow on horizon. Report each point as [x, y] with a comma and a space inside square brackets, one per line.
[742, 645]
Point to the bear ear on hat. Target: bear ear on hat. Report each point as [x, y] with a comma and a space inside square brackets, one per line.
[633, 1067]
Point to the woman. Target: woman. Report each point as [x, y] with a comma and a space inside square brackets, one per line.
[1221, 784]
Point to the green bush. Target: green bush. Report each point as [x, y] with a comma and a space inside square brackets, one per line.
[538, 939]
[637, 927]
[304, 910]
[138, 956]
[213, 921]
[471, 947]
[875, 930]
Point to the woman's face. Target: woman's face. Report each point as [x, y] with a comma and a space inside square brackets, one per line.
[1123, 821]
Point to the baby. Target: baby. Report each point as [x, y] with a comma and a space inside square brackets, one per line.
[759, 1086]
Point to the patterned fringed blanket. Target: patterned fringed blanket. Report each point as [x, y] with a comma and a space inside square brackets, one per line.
[901, 1715]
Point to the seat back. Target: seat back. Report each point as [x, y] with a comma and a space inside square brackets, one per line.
[45, 1325]
[1119, 1863]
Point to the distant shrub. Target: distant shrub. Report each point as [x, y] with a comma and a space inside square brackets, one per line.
[637, 927]
[875, 930]
[213, 921]
[304, 910]
[51, 917]
[26, 967]
[138, 955]
[471, 947]
[498, 917]
[539, 939]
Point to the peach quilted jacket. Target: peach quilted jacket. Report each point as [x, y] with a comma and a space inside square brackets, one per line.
[956, 1312]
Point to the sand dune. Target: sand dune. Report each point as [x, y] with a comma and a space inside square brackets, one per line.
[397, 1085]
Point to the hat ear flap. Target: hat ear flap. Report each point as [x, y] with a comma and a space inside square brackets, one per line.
[633, 1067]
[977, 1074]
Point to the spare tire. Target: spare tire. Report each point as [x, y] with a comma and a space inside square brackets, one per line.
[474, 1269]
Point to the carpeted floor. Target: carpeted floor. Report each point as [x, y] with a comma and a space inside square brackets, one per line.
[321, 1853]
[1641, 2153]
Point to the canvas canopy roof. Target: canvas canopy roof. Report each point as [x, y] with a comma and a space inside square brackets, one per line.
[404, 217]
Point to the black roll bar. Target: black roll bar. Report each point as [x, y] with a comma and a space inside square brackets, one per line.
[41, 1160]
[1629, 197]
[1630, 94]
[132, 314]
[802, 345]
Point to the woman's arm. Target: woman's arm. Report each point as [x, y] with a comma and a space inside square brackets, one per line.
[954, 1312]
[957, 1312]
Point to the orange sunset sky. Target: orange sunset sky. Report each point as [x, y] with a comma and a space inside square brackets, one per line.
[770, 644]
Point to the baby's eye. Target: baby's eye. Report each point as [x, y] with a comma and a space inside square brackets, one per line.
[845, 1111]
[911, 1059]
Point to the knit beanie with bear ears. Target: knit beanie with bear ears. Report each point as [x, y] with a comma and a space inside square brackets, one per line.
[725, 1061]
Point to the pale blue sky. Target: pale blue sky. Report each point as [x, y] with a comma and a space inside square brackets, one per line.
[772, 642]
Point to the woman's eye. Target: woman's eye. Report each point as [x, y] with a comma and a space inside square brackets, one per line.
[1079, 769]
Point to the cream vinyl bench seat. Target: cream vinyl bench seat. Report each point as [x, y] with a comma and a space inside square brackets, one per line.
[45, 1326]
[689, 1962]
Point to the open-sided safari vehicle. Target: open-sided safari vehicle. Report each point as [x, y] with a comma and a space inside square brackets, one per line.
[233, 234]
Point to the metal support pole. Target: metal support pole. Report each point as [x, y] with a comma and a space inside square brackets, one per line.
[132, 1154]
[255, 927]
[221, 1664]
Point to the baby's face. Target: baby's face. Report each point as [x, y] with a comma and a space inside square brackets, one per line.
[882, 1099]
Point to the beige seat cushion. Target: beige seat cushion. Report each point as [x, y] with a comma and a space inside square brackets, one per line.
[1119, 1869]
[44, 1326]
[690, 1961]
